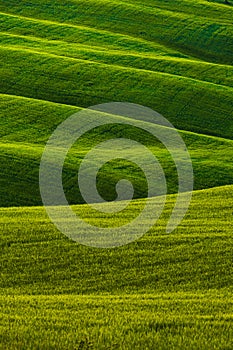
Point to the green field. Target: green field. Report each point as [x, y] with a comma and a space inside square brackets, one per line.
[25, 128]
[162, 321]
[163, 291]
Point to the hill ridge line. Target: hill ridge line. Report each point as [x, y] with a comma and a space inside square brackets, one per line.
[112, 50]
[165, 11]
[44, 53]
[116, 115]
[107, 55]
[104, 31]
[40, 100]
[168, 196]
[178, 12]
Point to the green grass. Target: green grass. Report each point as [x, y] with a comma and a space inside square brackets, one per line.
[67, 55]
[164, 291]
[37, 259]
[206, 24]
[79, 35]
[26, 127]
[187, 321]
[198, 106]
[161, 61]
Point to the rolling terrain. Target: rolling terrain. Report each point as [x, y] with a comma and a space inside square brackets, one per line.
[25, 128]
[164, 291]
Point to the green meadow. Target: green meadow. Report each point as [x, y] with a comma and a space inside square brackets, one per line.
[25, 128]
[162, 321]
[163, 291]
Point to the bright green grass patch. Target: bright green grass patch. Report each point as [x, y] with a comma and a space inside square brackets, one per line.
[202, 8]
[164, 291]
[198, 33]
[26, 125]
[37, 259]
[188, 103]
[158, 61]
[82, 35]
[145, 321]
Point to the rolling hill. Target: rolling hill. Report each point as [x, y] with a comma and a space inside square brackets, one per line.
[163, 291]
[25, 128]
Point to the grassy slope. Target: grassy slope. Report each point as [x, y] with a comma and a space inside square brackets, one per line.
[160, 60]
[164, 291]
[193, 32]
[35, 68]
[199, 107]
[26, 127]
[36, 258]
[178, 286]
[42, 55]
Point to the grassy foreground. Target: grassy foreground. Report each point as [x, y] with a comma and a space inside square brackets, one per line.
[164, 291]
[187, 321]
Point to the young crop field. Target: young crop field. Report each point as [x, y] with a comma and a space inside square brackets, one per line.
[164, 290]
[162, 321]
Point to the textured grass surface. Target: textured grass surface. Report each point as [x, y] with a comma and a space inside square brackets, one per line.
[188, 30]
[160, 59]
[189, 104]
[82, 53]
[27, 124]
[36, 258]
[163, 291]
[187, 321]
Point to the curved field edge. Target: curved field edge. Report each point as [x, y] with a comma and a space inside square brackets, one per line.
[210, 8]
